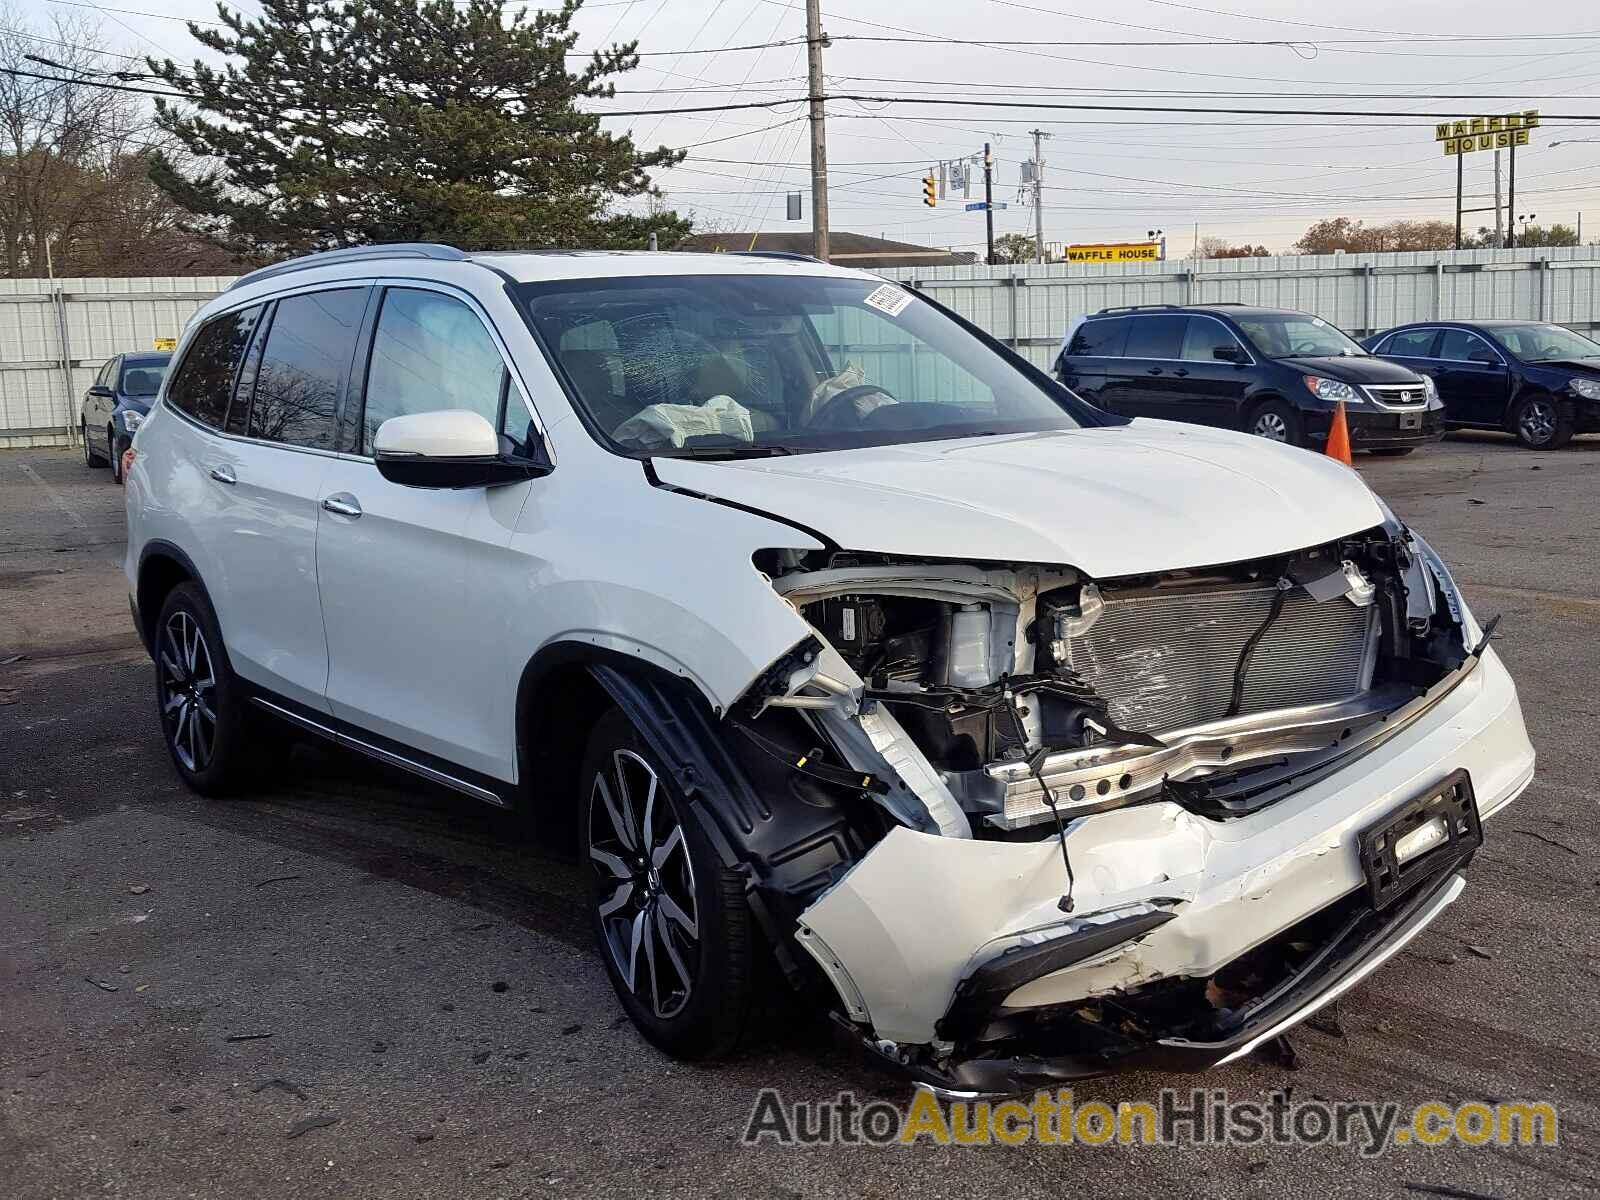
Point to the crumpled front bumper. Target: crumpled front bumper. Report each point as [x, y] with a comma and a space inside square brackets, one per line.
[920, 914]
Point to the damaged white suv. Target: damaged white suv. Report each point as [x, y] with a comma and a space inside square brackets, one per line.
[1029, 742]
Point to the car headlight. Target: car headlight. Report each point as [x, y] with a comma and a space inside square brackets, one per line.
[1589, 389]
[1471, 631]
[1430, 389]
[1332, 390]
[131, 419]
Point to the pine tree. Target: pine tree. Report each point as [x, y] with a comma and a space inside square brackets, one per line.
[344, 122]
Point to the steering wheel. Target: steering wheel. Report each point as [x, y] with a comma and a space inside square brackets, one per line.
[836, 404]
[1303, 348]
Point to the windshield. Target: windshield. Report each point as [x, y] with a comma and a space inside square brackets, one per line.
[730, 365]
[143, 379]
[1545, 343]
[1296, 335]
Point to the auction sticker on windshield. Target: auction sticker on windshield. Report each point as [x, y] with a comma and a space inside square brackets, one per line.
[889, 299]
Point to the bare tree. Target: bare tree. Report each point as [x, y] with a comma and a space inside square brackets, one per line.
[75, 161]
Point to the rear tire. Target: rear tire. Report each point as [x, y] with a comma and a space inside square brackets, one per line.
[1276, 422]
[676, 934]
[90, 458]
[1541, 422]
[215, 744]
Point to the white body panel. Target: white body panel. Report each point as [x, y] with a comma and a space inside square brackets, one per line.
[397, 665]
[253, 542]
[1150, 496]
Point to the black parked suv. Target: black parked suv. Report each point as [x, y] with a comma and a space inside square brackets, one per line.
[1273, 372]
[1537, 380]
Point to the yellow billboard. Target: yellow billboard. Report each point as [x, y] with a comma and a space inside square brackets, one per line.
[1114, 252]
[166, 343]
[1486, 133]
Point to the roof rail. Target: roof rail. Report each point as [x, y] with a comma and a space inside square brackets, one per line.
[1115, 308]
[353, 254]
[788, 254]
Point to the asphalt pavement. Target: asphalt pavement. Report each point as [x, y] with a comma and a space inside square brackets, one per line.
[354, 985]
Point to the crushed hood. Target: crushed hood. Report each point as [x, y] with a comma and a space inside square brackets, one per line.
[1121, 500]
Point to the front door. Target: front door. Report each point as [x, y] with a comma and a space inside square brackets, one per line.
[1207, 389]
[1472, 377]
[417, 583]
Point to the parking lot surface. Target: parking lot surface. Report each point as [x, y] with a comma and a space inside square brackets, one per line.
[353, 985]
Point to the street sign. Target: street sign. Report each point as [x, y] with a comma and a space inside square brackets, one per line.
[979, 205]
[166, 343]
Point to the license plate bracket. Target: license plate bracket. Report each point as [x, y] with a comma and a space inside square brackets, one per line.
[1452, 801]
[1410, 420]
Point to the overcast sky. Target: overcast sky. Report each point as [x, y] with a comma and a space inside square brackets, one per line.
[1108, 176]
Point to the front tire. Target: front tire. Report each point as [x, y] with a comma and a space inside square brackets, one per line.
[675, 931]
[117, 445]
[204, 714]
[1276, 422]
[1541, 422]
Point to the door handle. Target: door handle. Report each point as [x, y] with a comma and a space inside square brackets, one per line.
[1153, 371]
[224, 475]
[1181, 373]
[342, 503]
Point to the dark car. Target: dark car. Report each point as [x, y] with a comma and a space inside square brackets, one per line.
[116, 402]
[1273, 372]
[1531, 378]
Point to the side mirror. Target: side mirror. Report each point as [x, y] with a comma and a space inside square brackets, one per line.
[451, 448]
[1228, 354]
[102, 391]
[1483, 356]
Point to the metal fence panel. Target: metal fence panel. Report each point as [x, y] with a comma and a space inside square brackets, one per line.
[1028, 305]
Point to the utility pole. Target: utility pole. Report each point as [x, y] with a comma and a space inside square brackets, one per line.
[1499, 230]
[1511, 200]
[819, 136]
[988, 200]
[1038, 195]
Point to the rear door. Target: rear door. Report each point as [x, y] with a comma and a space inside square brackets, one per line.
[418, 584]
[1208, 390]
[1473, 381]
[1092, 356]
[267, 482]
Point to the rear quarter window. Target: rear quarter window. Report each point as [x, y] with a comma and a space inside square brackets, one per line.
[1103, 338]
[202, 385]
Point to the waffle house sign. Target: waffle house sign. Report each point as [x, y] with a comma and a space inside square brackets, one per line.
[1486, 133]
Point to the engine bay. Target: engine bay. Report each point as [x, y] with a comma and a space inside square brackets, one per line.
[1029, 693]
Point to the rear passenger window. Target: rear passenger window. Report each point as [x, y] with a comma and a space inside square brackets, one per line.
[1155, 337]
[1103, 338]
[431, 352]
[203, 382]
[1413, 343]
[304, 367]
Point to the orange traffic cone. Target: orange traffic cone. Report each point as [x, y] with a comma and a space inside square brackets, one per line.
[1339, 437]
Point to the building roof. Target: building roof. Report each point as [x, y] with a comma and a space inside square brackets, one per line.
[845, 249]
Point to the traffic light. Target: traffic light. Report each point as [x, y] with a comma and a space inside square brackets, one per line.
[929, 194]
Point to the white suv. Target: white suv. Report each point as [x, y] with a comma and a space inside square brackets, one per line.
[1028, 741]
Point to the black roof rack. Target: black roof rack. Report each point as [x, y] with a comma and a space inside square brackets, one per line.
[1117, 308]
[353, 254]
[791, 255]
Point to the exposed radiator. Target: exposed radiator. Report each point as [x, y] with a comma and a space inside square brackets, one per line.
[1165, 660]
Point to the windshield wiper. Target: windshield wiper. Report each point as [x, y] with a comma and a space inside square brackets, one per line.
[724, 452]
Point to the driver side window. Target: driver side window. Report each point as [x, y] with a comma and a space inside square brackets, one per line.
[430, 352]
